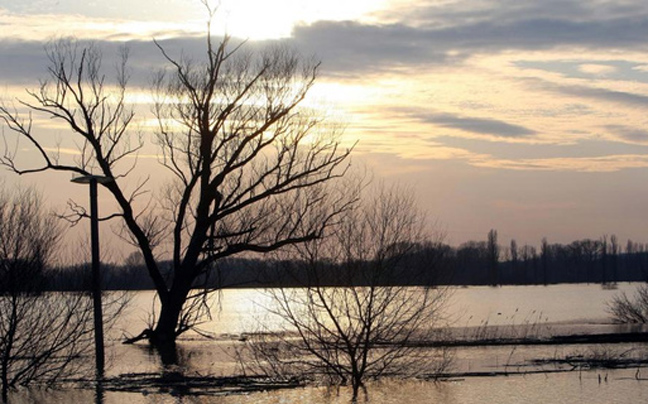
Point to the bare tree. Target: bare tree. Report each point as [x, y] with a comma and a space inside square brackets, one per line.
[493, 256]
[545, 257]
[605, 251]
[369, 325]
[614, 256]
[45, 337]
[248, 162]
[624, 309]
[514, 253]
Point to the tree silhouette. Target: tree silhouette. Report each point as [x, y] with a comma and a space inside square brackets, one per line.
[493, 257]
[250, 166]
[369, 327]
[44, 337]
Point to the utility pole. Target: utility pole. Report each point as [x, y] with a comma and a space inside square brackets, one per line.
[93, 180]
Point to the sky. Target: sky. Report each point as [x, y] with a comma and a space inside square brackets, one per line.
[524, 116]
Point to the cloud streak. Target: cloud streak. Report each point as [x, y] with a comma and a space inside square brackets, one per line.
[602, 164]
[477, 126]
[629, 134]
[480, 126]
[603, 94]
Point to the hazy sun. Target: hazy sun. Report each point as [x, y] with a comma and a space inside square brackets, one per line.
[262, 19]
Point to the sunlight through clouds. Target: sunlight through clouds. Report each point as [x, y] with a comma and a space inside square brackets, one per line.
[252, 19]
[260, 19]
[446, 89]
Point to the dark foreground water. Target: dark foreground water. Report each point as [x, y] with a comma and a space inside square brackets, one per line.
[568, 388]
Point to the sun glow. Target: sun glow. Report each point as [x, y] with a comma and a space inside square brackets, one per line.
[251, 19]
[259, 19]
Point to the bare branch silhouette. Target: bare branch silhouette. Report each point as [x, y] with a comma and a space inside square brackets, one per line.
[366, 327]
[249, 161]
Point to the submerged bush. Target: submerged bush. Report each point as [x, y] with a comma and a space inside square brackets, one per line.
[369, 327]
[633, 309]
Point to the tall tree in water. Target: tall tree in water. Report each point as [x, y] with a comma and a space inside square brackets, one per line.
[251, 167]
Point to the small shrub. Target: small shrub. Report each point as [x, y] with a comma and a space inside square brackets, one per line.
[624, 309]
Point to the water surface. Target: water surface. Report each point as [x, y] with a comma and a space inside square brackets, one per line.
[556, 309]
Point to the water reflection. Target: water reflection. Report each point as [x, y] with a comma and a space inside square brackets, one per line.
[239, 309]
[99, 392]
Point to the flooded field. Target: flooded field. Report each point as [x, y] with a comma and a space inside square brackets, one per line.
[527, 373]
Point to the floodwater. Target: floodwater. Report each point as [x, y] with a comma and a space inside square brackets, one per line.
[568, 388]
[521, 310]
[239, 310]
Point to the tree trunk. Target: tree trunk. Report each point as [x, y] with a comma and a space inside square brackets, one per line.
[163, 337]
[8, 347]
[356, 385]
[5, 382]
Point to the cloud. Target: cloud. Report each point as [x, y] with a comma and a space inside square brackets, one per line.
[430, 37]
[629, 134]
[485, 126]
[601, 164]
[350, 46]
[603, 94]
[477, 126]
[426, 35]
[434, 151]
[596, 69]
[588, 92]
[41, 27]
[509, 12]
[24, 62]
[451, 33]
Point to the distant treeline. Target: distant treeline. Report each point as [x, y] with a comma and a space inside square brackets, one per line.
[583, 261]
[472, 263]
